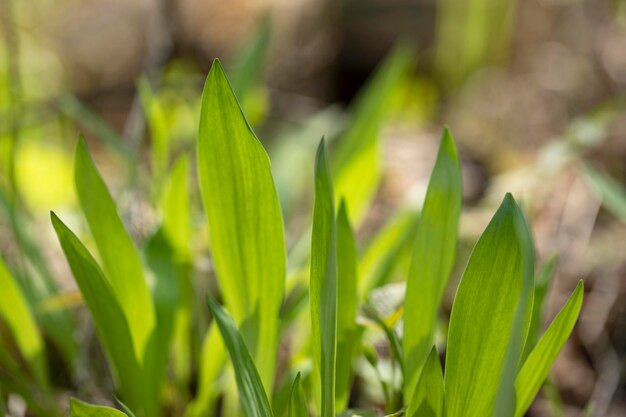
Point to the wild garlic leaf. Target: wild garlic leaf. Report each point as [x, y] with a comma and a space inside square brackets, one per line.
[251, 393]
[483, 314]
[82, 409]
[428, 398]
[538, 364]
[297, 402]
[432, 259]
[120, 259]
[245, 221]
[323, 282]
[348, 333]
[108, 317]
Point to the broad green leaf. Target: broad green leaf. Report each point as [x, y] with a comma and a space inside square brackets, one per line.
[358, 162]
[119, 255]
[16, 314]
[348, 333]
[432, 259]
[82, 409]
[245, 222]
[386, 251]
[541, 290]
[297, 402]
[252, 395]
[323, 283]
[505, 398]
[107, 314]
[610, 191]
[482, 321]
[428, 398]
[538, 364]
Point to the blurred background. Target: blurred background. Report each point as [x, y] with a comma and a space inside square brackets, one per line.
[534, 92]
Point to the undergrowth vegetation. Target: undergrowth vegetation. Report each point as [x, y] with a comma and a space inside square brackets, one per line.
[288, 335]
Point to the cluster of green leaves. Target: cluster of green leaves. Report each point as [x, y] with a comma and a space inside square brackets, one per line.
[141, 299]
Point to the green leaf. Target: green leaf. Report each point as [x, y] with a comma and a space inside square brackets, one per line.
[297, 402]
[323, 282]
[107, 314]
[536, 367]
[16, 314]
[358, 162]
[252, 395]
[428, 398]
[245, 222]
[432, 259]
[348, 333]
[482, 321]
[119, 255]
[82, 409]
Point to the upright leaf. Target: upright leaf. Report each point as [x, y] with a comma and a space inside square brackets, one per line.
[323, 285]
[120, 258]
[483, 314]
[82, 409]
[432, 260]
[107, 314]
[245, 221]
[536, 367]
[428, 398]
[252, 395]
[348, 333]
[16, 314]
[297, 403]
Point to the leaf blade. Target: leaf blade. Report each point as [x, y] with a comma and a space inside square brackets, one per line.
[537, 365]
[252, 394]
[432, 259]
[323, 282]
[245, 220]
[119, 255]
[483, 314]
[428, 398]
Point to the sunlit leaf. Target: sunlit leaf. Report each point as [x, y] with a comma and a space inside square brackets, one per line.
[348, 333]
[483, 315]
[432, 259]
[82, 409]
[245, 222]
[108, 316]
[428, 398]
[323, 283]
[297, 403]
[538, 364]
[119, 255]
